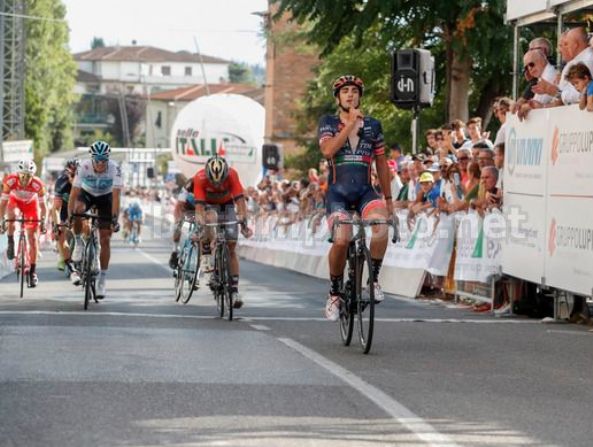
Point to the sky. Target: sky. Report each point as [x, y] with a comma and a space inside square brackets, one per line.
[223, 28]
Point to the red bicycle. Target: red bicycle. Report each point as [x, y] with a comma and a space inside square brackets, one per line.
[22, 262]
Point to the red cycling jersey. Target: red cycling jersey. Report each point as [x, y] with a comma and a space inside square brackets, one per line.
[227, 192]
[11, 188]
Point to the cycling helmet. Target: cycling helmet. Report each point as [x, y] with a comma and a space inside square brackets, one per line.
[347, 80]
[25, 166]
[72, 164]
[100, 150]
[217, 169]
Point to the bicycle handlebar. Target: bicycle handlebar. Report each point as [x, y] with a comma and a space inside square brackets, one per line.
[91, 216]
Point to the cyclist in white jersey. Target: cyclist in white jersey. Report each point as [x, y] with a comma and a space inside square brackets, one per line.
[98, 182]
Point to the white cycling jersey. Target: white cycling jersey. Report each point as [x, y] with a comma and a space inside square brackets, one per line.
[98, 183]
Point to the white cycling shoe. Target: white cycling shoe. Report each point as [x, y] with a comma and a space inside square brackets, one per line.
[332, 307]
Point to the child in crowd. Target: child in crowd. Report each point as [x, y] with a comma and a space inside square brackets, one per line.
[580, 77]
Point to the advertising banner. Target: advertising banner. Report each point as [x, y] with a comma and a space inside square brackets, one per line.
[525, 185]
[569, 257]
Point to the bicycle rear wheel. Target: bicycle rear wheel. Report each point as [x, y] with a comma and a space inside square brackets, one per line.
[218, 282]
[178, 283]
[365, 297]
[190, 272]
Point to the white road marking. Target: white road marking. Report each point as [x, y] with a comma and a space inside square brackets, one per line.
[154, 260]
[255, 318]
[586, 334]
[260, 327]
[414, 423]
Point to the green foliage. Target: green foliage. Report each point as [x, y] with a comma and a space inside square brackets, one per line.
[359, 36]
[89, 138]
[240, 73]
[97, 42]
[49, 78]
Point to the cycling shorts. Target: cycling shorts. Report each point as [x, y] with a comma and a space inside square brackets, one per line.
[103, 205]
[350, 197]
[28, 210]
[226, 213]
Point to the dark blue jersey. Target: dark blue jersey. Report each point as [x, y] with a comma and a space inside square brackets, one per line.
[63, 187]
[352, 165]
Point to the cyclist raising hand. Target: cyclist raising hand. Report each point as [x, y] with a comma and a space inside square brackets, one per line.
[217, 189]
[351, 142]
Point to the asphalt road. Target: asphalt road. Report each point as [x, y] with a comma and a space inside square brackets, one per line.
[140, 370]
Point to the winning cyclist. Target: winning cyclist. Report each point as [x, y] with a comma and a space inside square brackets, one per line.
[185, 207]
[25, 191]
[350, 142]
[133, 215]
[62, 190]
[217, 189]
[98, 182]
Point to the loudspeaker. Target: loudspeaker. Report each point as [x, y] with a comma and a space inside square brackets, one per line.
[150, 172]
[412, 78]
[270, 156]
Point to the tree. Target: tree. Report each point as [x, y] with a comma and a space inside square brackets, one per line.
[469, 34]
[50, 75]
[240, 73]
[97, 42]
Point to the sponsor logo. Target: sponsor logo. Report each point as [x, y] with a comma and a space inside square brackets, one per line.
[523, 152]
[193, 143]
[555, 146]
[570, 238]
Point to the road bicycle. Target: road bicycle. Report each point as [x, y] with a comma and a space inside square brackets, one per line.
[90, 264]
[22, 262]
[221, 279]
[357, 300]
[187, 272]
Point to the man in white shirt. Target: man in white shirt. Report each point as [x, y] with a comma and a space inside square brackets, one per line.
[574, 47]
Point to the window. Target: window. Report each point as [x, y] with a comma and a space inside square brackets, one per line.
[166, 70]
[188, 71]
[150, 70]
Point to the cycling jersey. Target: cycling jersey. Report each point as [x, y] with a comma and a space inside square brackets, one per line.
[98, 183]
[348, 164]
[134, 212]
[62, 188]
[186, 196]
[12, 189]
[227, 192]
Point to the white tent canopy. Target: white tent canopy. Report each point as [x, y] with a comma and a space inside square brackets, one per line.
[524, 12]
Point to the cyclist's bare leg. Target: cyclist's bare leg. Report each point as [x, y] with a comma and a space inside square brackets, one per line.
[234, 258]
[377, 210]
[339, 249]
[209, 232]
[105, 237]
[10, 214]
[33, 237]
[77, 226]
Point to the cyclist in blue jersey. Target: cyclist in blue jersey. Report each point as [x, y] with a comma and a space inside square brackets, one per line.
[185, 207]
[351, 142]
[133, 215]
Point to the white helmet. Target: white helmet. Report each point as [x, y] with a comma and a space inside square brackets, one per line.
[27, 167]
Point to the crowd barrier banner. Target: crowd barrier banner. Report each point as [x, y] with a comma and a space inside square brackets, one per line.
[569, 222]
[525, 186]
[548, 184]
[479, 243]
[5, 265]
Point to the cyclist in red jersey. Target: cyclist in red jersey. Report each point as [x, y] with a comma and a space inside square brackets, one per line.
[24, 191]
[217, 189]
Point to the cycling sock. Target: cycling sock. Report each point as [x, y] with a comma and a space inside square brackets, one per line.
[336, 283]
[235, 283]
[11, 239]
[103, 273]
[32, 268]
[69, 265]
[376, 263]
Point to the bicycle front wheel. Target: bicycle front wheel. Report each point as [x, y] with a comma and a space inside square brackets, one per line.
[89, 282]
[226, 280]
[218, 282]
[190, 273]
[365, 300]
[21, 267]
[347, 310]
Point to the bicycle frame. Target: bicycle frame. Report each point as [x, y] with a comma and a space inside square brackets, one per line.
[22, 260]
[352, 301]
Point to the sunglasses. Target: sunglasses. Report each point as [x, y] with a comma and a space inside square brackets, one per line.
[100, 160]
[528, 66]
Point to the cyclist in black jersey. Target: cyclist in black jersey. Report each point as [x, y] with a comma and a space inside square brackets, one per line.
[351, 142]
[62, 189]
